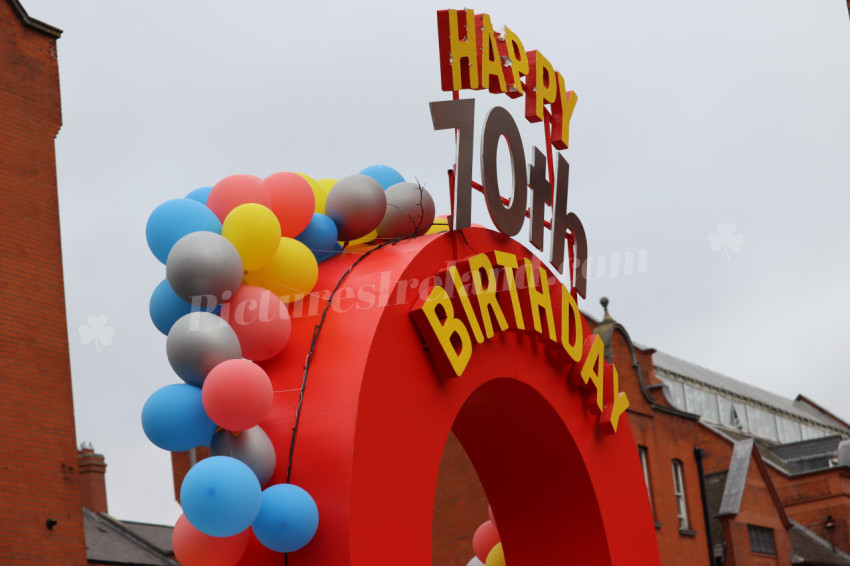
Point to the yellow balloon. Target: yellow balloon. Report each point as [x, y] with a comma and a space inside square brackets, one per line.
[496, 556]
[291, 273]
[319, 192]
[326, 185]
[254, 231]
[439, 225]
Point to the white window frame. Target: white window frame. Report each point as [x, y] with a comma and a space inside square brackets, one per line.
[643, 452]
[679, 491]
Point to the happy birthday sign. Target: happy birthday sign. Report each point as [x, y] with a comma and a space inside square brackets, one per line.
[498, 62]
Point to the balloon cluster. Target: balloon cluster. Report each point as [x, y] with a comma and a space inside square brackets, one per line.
[487, 545]
[235, 255]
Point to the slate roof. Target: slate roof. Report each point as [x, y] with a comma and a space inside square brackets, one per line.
[715, 484]
[109, 541]
[690, 371]
[736, 478]
[807, 548]
[157, 535]
[808, 455]
[765, 447]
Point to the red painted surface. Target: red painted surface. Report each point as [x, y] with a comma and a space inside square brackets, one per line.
[376, 417]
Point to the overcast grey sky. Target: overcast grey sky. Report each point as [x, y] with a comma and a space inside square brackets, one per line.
[691, 118]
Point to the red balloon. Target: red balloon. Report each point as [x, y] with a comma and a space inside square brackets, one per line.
[256, 553]
[484, 539]
[293, 202]
[192, 547]
[234, 190]
[260, 320]
[237, 394]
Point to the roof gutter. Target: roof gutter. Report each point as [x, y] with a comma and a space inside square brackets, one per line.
[699, 453]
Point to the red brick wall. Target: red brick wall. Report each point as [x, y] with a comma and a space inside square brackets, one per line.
[667, 438]
[460, 506]
[758, 509]
[92, 472]
[38, 456]
[812, 498]
[181, 462]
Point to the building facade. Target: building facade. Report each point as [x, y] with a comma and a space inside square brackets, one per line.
[735, 475]
[40, 513]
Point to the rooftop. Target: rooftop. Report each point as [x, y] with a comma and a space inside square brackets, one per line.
[110, 541]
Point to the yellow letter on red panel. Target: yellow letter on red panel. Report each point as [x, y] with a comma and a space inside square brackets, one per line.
[540, 300]
[489, 60]
[562, 113]
[616, 402]
[509, 263]
[591, 371]
[458, 49]
[541, 86]
[514, 62]
[572, 333]
[487, 301]
[466, 304]
[442, 333]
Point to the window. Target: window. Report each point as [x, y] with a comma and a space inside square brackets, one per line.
[739, 417]
[679, 490]
[789, 431]
[763, 423]
[644, 463]
[677, 393]
[811, 432]
[693, 399]
[733, 413]
[761, 540]
[709, 407]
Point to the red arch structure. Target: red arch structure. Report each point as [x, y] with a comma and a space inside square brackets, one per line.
[377, 411]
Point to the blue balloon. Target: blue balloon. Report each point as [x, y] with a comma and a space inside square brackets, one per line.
[174, 419]
[221, 496]
[166, 307]
[320, 235]
[288, 518]
[386, 176]
[200, 195]
[175, 218]
[325, 255]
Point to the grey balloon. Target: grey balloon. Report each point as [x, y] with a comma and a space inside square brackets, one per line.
[252, 447]
[410, 211]
[204, 269]
[198, 342]
[356, 204]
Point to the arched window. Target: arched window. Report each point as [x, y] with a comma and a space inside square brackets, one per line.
[679, 490]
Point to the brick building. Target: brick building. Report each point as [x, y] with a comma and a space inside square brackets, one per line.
[40, 516]
[735, 475]
[108, 540]
[53, 509]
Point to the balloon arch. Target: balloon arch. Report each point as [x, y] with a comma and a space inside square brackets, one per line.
[346, 425]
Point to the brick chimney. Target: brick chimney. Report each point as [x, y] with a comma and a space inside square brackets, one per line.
[92, 479]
